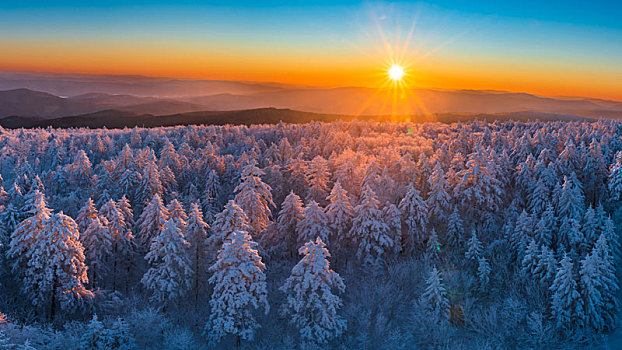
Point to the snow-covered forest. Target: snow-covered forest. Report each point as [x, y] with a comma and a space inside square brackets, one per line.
[343, 235]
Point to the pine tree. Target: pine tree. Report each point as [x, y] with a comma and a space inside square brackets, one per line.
[530, 259]
[590, 229]
[474, 247]
[339, 211]
[566, 304]
[438, 201]
[317, 179]
[591, 287]
[177, 214]
[483, 272]
[543, 231]
[123, 240]
[56, 271]
[98, 248]
[197, 235]
[26, 235]
[615, 178]
[152, 220]
[433, 245]
[393, 219]
[314, 224]
[239, 284]
[128, 214]
[311, 303]
[290, 215]
[435, 297]
[454, 229]
[522, 232]
[254, 197]
[81, 171]
[87, 214]
[610, 290]
[546, 268]
[415, 212]
[611, 234]
[231, 219]
[571, 203]
[538, 197]
[151, 184]
[169, 276]
[369, 230]
[99, 337]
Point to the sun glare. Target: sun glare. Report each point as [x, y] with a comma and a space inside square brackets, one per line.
[396, 73]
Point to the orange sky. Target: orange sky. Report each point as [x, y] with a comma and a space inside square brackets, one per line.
[323, 46]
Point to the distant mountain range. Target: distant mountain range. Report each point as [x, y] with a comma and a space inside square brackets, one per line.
[116, 101]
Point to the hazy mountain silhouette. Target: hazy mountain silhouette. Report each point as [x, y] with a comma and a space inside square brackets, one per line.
[131, 96]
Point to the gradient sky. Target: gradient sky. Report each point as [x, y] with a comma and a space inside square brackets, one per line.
[568, 47]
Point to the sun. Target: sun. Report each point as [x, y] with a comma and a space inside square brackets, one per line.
[396, 72]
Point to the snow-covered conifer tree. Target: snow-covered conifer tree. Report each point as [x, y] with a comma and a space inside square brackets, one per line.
[546, 267]
[435, 297]
[254, 197]
[543, 231]
[566, 302]
[56, 271]
[416, 216]
[317, 179]
[314, 224]
[615, 178]
[151, 184]
[474, 247]
[170, 274]
[128, 214]
[239, 285]
[87, 214]
[454, 229]
[26, 235]
[81, 171]
[98, 247]
[311, 302]
[369, 230]
[152, 220]
[571, 203]
[177, 214]
[291, 213]
[530, 259]
[483, 272]
[438, 201]
[433, 245]
[197, 234]
[339, 211]
[231, 219]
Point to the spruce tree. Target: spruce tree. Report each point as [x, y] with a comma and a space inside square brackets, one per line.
[311, 302]
[239, 287]
[369, 230]
[435, 297]
[98, 248]
[416, 216]
[314, 223]
[254, 197]
[474, 247]
[152, 220]
[339, 211]
[169, 276]
[290, 215]
[87, 214]
[566, 303]
[231, 219]
[197, 235]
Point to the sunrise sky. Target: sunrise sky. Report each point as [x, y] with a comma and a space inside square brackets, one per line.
[568, 47]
